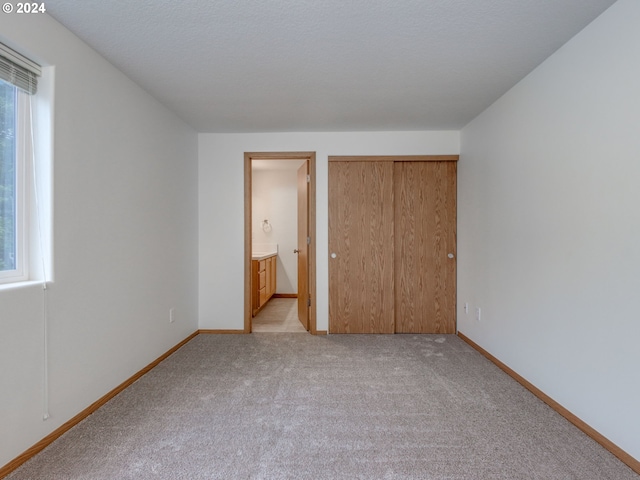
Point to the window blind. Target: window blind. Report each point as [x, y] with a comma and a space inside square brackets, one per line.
[18, 70]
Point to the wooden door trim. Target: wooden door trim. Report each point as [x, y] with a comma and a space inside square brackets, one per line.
[394, 158]
[311, 158]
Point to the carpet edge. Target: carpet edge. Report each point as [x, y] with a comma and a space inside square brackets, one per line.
[46, 441]
[587, 429]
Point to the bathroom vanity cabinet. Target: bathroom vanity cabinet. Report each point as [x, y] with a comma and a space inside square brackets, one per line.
[263, 281]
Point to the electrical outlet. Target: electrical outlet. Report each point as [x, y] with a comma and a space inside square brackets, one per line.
[171, 315]
[478, 313]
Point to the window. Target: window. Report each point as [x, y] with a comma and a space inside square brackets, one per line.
[12, 234]
[17, 86]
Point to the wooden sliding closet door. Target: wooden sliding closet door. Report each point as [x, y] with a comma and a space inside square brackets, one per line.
[361, 298]
[425, 247]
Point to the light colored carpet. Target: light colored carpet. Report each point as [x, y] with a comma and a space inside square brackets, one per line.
[290, 406]
[279, 315]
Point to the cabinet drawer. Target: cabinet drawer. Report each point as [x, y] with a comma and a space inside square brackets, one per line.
[263, 295]
[262, 266]
[262, 280]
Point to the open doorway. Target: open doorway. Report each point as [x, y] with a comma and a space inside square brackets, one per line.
[258, 238]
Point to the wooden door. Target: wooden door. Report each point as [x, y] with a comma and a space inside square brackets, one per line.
[425, 247]
[303, 247]
[361, 247]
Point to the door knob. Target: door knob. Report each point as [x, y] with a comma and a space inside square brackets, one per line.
[333, 255]
[296, 251]
[450, 255]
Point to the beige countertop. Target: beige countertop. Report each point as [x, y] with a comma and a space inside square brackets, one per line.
[262, 255]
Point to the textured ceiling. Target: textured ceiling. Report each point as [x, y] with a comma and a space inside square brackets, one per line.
[326, 65]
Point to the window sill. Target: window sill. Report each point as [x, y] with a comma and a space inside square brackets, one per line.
[20, 284]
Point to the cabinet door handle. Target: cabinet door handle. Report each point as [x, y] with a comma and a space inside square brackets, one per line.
[296, 251]
[450, 255]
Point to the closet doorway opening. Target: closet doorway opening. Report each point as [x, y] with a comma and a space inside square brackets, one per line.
[260, 275]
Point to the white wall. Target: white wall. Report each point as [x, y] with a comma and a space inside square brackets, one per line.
[549, 226]
[221, 176]
[275, 198]
[125, 241]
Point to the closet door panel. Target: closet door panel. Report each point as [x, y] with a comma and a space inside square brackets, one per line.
[361, 292]
[425, 247]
